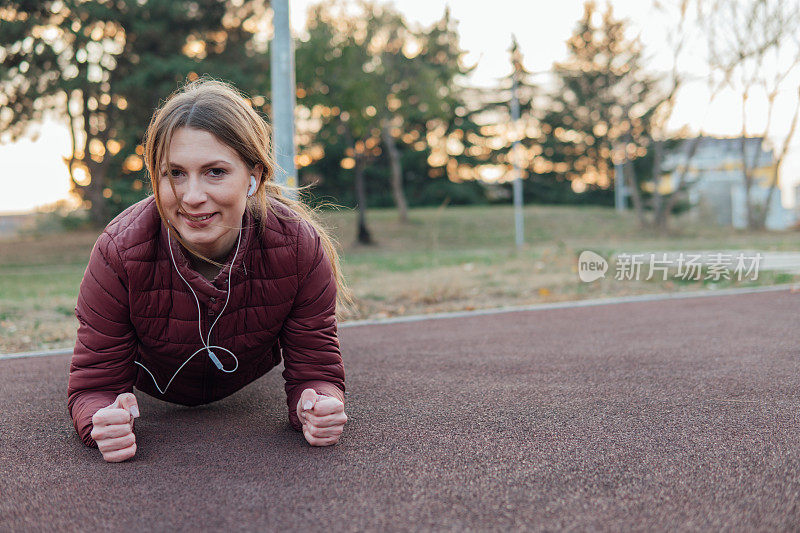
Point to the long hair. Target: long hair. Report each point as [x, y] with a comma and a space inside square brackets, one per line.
[220, 109]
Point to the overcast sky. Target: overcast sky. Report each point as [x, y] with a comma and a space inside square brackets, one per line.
[541, 27]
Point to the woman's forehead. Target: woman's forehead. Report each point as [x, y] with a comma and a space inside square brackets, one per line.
[196, 147]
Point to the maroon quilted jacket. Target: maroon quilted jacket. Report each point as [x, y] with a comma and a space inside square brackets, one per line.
[133, 306]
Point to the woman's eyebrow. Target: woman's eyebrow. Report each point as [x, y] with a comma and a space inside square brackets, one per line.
[207, 165]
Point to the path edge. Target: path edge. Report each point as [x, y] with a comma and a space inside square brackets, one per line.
[506, 309]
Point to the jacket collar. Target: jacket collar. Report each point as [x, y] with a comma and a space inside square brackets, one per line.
[197, 280]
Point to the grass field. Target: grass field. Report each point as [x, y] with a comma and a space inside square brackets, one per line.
[445, 259]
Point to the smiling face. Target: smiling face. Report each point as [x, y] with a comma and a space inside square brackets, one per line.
[211, 182]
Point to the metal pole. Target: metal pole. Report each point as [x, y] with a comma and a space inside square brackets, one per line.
[619, 187]
[518, 220]
[283, 94]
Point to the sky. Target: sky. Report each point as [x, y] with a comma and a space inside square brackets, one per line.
[36, 174]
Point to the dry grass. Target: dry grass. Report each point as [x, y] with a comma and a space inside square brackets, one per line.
[444, 260]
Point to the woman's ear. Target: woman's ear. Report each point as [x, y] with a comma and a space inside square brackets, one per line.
[258, 172]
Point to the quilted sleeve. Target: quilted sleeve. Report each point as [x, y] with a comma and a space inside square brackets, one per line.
[308, 338]
[102, 363]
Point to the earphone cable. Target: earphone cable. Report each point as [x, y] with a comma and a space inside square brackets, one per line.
[203, 340]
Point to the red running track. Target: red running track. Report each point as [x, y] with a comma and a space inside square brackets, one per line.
[663, 415]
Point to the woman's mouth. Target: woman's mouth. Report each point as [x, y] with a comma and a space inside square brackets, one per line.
[197, 221]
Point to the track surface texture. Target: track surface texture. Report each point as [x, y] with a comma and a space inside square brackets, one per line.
[675, 414]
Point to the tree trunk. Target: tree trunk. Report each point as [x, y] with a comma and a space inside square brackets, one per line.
[397, 173]
[747, 172]
[673, 198]
[761, 221]
[659, 216]
[629, 177]
[776, 169]
[93, 191]
[98, 212]
[364, 236]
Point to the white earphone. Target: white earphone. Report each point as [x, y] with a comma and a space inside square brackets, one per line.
[253, 186]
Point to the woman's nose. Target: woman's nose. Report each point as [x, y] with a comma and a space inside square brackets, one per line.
[195, 192]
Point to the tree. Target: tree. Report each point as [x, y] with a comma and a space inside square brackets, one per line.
[646, 164]
[105, 66]
[373, 84]
[753, 45]
[604, 101]
[661, 142]
[500, 131]
[331, 61]
[449, 124]
[439, 110]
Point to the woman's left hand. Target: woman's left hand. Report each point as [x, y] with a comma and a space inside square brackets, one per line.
[323, 418]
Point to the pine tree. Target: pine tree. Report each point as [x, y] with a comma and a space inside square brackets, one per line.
[501, 131]
[455, 150]
[603, 102]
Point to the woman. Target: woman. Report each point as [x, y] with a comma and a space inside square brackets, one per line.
[198, 290]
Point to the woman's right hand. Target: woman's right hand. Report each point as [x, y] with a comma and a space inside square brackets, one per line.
[113, 428]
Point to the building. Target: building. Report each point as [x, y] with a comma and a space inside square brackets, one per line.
[717, 180]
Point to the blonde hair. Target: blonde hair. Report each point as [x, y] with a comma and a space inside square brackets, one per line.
[220, 109]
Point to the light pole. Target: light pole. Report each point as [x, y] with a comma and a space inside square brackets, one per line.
[519, 224]
[619, 183]
[283, 94]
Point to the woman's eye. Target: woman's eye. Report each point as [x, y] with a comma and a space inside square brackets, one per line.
[217, 172]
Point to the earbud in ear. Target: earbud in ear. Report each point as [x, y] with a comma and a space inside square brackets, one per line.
[253, 186]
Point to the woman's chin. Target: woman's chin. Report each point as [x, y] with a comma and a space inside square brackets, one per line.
[199, 237]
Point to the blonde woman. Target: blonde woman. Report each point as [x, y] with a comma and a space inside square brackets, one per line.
[204, 286]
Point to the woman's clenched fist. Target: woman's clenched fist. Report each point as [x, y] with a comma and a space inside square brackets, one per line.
[323, 418]
[113, 428]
